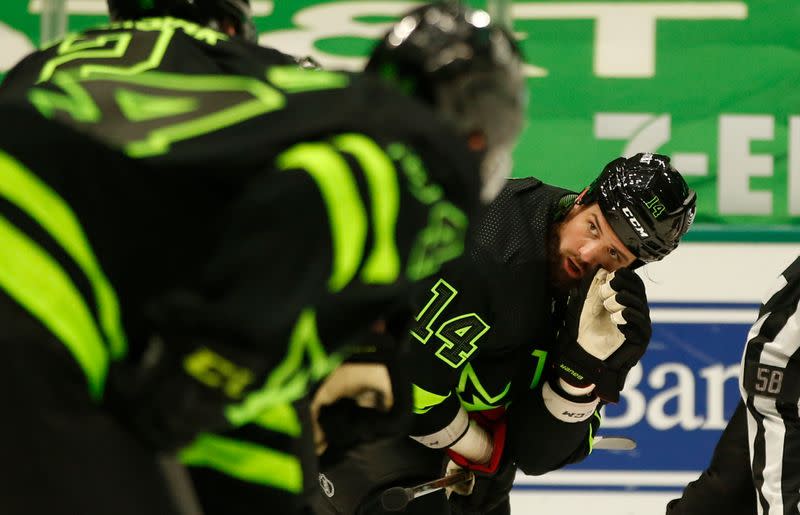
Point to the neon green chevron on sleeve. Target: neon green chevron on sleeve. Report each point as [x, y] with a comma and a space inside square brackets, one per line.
[348, 218]
[22, 188]
[383, 264]
[34, 279]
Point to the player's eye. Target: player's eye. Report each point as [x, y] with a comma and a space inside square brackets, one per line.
[613, 252]
[592, 228]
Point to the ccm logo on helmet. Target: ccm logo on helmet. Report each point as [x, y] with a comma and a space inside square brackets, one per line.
[637, 226]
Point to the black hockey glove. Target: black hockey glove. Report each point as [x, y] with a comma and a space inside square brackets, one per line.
[176, 392]
[189, 375]
[368, 397]
[607, 329]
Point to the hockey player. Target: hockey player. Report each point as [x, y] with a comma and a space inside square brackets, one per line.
[506, 373]
[224, 222]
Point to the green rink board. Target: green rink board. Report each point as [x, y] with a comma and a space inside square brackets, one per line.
[713, 84]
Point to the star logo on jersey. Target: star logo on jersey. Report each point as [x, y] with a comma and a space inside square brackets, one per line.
[473, 394]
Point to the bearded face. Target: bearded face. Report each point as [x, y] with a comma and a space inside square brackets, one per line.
[560, 280]
[581, 244]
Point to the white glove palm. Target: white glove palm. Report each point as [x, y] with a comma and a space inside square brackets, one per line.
[598, 333]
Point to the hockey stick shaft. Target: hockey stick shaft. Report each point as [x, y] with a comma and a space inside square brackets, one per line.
[398, 497]
[613, 443]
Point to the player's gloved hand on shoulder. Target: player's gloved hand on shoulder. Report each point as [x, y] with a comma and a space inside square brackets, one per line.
[606, 332]
[481, 448]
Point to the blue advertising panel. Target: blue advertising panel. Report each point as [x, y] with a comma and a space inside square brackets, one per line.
[678, 399]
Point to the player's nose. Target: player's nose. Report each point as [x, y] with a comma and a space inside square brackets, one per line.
[591, 253]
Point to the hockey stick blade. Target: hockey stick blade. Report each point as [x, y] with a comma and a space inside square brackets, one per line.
[398, 497]
[614, 443]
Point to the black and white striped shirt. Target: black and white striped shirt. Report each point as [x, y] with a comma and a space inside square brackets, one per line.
[770, 384]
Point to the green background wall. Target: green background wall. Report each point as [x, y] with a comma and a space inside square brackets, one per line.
[714, 84]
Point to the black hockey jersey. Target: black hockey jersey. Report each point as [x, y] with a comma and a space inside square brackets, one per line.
[173, 92]
[488, 324]
[251, 214]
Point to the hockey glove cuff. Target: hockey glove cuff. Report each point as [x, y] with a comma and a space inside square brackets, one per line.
[568, 403]
[483, 443]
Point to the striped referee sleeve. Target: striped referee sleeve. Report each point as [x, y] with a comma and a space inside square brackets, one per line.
[770, 385]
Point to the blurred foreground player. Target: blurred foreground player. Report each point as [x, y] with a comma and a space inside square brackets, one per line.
[210, 244]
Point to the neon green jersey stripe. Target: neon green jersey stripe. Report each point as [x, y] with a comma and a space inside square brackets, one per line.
[383, 264]
[289, 380]
[245, 461]
[280, 419]
[292, 79]
[35, 198]
[348, 218]
[541, 357]
[34, 279]
[423, 400]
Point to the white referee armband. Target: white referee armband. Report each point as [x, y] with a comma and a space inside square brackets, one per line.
[447, 436]
[565, 409]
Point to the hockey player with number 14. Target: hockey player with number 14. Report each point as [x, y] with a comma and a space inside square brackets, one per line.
[516, 344]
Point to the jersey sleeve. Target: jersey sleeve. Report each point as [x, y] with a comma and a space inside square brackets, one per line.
[242, 337]
[309, 255]
[451, 327]
[246, 335]
[538, 441]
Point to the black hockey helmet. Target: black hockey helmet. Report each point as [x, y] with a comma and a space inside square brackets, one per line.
[468, 68]
[204, 12]
[646, 202]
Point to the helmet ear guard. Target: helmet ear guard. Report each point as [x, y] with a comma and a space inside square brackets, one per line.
[646, 202]
[468, 69]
